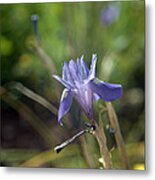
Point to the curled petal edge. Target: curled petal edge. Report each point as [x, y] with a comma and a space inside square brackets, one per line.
[65, 104]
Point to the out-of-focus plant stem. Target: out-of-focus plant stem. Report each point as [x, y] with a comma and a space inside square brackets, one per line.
[68, 20]
[118, 136]
[48, 63]
[49, 156]
[32, 95]
[87, 153]
[46, 59]
[29, 116]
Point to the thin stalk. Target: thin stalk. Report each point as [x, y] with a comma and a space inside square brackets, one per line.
[118, 136]
[87, 152]
[49, 65]
[50, 157]
[47, 61]
[33, 95]
[77, 135]
[69, 141]
[102, 141]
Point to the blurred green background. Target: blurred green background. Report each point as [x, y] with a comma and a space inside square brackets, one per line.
[30, 97]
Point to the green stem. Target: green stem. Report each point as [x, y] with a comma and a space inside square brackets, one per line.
[48, 64]
[87, 152]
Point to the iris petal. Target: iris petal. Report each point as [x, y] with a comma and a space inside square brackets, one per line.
[80, 83]
[85, 70]
[64, 71]
[65, 104]
[92, 71]
[107, 92]
[66, 75]
[79, 69]
[96, 97]
[73, 70]
[63, 82]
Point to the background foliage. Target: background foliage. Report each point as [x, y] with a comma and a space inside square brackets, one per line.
[68, 30]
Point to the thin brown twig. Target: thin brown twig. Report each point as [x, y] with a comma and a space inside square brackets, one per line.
[118, 136]
[102, 141]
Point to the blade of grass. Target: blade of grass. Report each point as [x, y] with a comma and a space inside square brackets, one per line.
[16, 156]
[87, 152]
[29, 116]
[50, 156]
[32, 95]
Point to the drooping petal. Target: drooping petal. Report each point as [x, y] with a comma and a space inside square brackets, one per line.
[65, 104]
[107, 92]
[63, 82]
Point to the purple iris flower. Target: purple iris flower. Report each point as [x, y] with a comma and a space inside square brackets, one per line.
[80, 83]
[110, 14]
